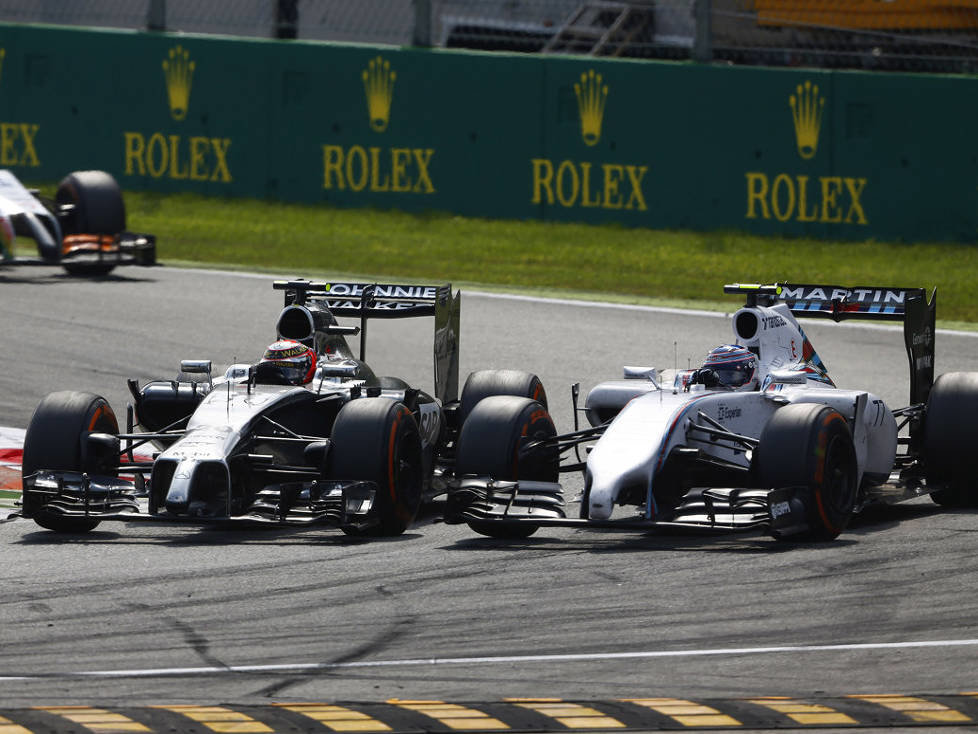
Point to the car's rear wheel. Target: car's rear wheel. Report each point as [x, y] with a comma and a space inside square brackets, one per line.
[949, 454]
[56, 439]
[490, 445]
[98, 209]
[377, 440]
[486, 383]
[809, 446]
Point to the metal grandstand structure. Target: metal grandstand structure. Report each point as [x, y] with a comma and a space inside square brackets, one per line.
[904, 35]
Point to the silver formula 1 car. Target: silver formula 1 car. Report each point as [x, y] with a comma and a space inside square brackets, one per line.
[307, 435]
[82, 229]
[759, 437]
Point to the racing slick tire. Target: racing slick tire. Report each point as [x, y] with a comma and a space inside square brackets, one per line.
[98, 209]
[377, 440]
[809, 445]
[485, 383]
[489, 445]
[949, 459]
[55, 439]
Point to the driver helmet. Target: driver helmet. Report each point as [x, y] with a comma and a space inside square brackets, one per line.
[735, 366]
[287, 362]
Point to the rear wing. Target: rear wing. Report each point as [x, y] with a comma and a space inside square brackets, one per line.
[872, 303]
[387, 301]
[370, 300]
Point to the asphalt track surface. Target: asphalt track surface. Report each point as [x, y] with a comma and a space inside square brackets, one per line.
[135, 615]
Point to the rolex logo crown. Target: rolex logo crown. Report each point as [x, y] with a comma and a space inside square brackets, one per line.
[806, 111]
[378, 84]
[591, 95]
[179, 72]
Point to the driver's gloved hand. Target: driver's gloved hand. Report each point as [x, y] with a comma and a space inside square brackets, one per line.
[705, 377]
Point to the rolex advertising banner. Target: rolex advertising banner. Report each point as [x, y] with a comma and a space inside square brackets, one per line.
[662, 145]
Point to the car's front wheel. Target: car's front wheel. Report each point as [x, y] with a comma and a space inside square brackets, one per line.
[96, 208]
[490, 445]
[809, 446]
[56, 440]
[377, 440]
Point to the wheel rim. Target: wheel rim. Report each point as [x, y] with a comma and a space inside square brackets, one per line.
[840, 490]
[407, 478]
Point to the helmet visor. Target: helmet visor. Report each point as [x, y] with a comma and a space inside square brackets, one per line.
[734, 376]
[290, 372]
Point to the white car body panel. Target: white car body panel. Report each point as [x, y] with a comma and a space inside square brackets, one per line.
[17, 201]
[16, 198]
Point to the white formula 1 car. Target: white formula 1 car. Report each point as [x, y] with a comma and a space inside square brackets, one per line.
[758, 437]
[309, 435]
[82, 229]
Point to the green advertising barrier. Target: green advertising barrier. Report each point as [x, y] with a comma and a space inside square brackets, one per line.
[660, 145]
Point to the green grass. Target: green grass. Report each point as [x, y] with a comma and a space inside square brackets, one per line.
[635, 265]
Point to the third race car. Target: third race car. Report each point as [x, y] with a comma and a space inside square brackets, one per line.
[82, 229]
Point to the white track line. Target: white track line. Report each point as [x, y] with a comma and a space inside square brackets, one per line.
[494, 660]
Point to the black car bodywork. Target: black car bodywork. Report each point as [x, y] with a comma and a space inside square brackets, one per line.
[351, 448]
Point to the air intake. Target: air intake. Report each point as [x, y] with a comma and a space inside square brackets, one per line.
[296, 322]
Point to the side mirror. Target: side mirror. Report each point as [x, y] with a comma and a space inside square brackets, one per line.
[788, 377]
[640, 373]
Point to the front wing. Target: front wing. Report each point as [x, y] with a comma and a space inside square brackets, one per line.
[477, 499]
[322, 502]
[126, 248]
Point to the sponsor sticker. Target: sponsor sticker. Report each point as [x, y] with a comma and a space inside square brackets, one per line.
[725, 412]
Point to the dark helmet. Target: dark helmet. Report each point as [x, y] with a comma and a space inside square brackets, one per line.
[733, 365]
[286, 362]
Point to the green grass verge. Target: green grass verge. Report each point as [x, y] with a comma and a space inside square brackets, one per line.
[606, 262]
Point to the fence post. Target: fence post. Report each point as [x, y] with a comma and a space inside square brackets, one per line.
[156, 18]
[703, 43]
[422, 23]
[287, 19]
